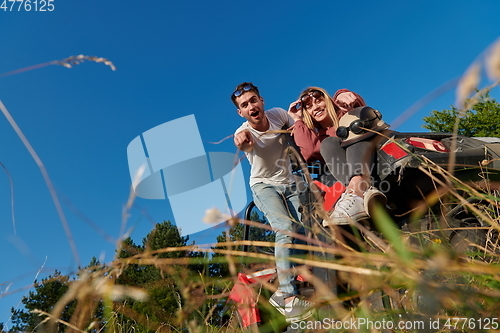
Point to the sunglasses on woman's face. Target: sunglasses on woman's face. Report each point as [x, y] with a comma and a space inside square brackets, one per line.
[306, 99]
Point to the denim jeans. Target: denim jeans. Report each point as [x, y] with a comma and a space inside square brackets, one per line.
[280, 206]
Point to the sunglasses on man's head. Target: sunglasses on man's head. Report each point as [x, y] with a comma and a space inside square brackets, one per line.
[239, 92]
[306, 99]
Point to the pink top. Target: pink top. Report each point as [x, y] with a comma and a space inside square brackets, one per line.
[342, 108]
[309, 141]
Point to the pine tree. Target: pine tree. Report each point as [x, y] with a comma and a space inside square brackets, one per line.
[44, 297]
[164, 282]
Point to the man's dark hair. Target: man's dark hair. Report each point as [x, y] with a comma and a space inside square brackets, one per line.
[243, 88]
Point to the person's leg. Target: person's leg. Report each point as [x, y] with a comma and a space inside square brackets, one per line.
[346, 163]
[353, 167]
[360, 157]
[336, 159]
[271, 201]
[280, 206]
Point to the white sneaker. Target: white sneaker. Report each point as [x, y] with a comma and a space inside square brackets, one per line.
[278, 301]
[349, 207]
[295, 310]
[298, 310]
[372, 197]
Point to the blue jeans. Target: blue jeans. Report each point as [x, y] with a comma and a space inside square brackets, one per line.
[280, 206]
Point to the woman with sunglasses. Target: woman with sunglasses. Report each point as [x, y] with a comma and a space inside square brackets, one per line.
[316, 117]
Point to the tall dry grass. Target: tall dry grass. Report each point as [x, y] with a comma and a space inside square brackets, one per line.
[384, 273]
[387, 279]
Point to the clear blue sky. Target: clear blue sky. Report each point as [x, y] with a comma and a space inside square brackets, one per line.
[176, 58]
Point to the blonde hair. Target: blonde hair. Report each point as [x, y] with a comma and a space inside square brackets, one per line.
[330, 109]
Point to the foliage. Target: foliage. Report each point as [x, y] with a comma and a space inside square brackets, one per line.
[218, 266]
[163, 282]
[44, 297]
[165, 235]
[482, 120]
[181, 299]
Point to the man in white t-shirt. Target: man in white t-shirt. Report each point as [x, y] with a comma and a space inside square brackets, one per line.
[273, 186]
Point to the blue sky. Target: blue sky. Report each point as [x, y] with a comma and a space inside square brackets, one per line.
[177, 58]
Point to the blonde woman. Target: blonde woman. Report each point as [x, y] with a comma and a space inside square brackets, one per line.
[318, 122]
[316, 117]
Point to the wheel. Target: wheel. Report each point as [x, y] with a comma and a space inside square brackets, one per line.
[253, 233]
[465, 241]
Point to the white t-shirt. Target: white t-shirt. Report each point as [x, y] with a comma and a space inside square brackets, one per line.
[270, 164]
